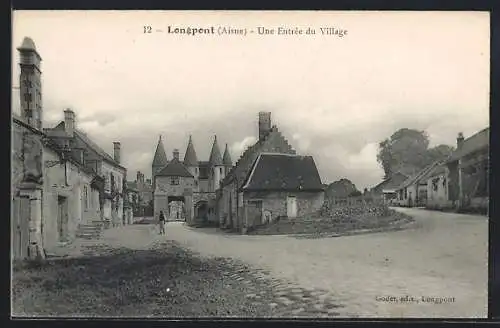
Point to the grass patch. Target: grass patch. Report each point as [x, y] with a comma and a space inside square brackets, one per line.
[163, 282]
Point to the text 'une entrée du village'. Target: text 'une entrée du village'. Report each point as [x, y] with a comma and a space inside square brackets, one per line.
[260, 30]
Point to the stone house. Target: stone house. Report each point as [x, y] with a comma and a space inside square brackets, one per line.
[141, 192]
[280, 185]
[71, 197]
[468, 172]
[437, 187]
[198, 204]
[67, 135]
[386, 190]
[413, 191]
[232, 203]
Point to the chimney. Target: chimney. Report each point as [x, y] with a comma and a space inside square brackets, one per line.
[176, 154]
[69, 122]
[264, 124]
[460, 140]
[116, 151]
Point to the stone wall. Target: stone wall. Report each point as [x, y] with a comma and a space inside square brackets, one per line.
[346, 210]
[308, 203]
[27, 181]
[69, 181]
[437, 192]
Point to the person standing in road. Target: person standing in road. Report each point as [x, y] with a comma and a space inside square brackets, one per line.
[162, 223]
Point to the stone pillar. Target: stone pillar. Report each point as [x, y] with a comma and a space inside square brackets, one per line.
[34, 192]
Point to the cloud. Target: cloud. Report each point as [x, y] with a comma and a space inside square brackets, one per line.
[334, 99]
[238, 147]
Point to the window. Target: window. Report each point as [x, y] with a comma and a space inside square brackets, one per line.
[220, 170]
[174, 180]
[27, 97]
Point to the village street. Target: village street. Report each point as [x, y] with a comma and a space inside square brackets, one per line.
[444, 256]
[134, 271]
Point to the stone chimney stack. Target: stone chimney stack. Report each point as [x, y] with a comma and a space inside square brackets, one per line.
[176, 154]
[116, 151]
[69, 122]
[460, 140]
[264, 124]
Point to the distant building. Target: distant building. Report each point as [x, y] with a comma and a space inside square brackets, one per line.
[186, 190]
[141, 192]
[387, 189]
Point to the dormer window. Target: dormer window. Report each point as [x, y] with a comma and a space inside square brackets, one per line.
[174, 181]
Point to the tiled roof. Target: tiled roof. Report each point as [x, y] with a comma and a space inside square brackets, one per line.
[284, 172]
[175, 168]
[419, 175]
[83, 137]
[437, 170]
[58, 131]
[479, 140]
[392, 182]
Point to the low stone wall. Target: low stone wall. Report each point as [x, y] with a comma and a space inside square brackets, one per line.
[334, 209]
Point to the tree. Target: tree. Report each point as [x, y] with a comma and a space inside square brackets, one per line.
[407, 151]
[341, 188]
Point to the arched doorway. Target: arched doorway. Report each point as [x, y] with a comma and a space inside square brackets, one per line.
[201, 211]
[176, 208]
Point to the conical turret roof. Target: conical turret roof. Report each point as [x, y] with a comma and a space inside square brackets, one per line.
[226, 159]
[160, 158]
[215, 156]
[190, 158]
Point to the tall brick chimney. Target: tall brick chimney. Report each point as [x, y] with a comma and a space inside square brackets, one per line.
[69, 122]
[460, 140]
[264, 124]
[116, 151]
[176, 154]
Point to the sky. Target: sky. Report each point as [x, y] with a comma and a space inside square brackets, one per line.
[334, 98]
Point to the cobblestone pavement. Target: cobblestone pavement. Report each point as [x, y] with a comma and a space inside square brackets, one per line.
[441, 263]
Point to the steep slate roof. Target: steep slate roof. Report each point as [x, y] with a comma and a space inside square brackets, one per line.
[477, 141]
[283, 172]
[190, 158]
[215, 156]
[58, 131]
[419, 175]
[160, 158]
[438, 169]
[86, 140]
[226, 159]
[175, 169]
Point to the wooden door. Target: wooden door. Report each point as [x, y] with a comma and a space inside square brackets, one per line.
[20, 227]
[62, 218]
[291, 206]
